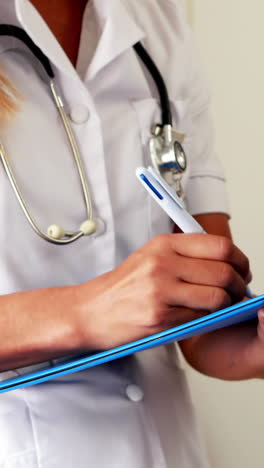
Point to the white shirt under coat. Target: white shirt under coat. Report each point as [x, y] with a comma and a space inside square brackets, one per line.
[135, 412]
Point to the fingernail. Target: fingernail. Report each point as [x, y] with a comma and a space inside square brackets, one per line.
[249, 277]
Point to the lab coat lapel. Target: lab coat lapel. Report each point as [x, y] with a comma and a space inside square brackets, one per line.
[39, 32]
[119, 32]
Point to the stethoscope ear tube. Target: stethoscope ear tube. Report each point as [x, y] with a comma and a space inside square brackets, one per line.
[21, 35]
[166, 117]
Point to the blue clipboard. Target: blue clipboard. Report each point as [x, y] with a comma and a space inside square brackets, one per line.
[235, 314]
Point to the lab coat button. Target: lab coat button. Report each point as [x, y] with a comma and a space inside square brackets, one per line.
[79, 114]
[134, 393]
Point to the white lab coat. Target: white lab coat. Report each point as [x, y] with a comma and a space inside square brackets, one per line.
[135, 412]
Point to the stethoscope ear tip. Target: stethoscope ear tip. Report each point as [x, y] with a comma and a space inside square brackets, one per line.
[55, 231]
[88, 227]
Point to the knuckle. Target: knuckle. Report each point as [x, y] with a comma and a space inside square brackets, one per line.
[154, 266]
[225, 247]
[219, 299]
[155, 294]
[226, 275]
[156, 305]
[154, 316]
[161, 241]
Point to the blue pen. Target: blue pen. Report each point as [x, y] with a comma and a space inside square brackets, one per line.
[169, 201]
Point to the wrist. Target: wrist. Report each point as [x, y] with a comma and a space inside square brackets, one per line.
[87, 328]
[67, 337]
[80, 317]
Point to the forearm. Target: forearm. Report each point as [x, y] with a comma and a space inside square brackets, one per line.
[223, 354]
[39, 325]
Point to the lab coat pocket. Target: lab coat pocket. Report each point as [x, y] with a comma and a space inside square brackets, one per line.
[17, 438]
[148, 114]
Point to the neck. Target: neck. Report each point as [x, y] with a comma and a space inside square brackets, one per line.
[64, 18]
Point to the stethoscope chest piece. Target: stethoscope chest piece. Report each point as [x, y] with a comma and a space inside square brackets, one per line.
[167, 154]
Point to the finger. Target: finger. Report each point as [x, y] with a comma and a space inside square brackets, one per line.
[261, 325]
[197, 297]
[208, 273]
[210, 247]
[249, 278]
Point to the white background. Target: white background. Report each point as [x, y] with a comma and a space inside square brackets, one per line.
[230, 36]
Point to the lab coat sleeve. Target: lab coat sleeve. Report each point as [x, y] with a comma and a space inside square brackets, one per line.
[206, 186]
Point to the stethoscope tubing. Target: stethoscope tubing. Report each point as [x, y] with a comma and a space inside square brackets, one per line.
[166, 117]
[5, 160]
[166, 122]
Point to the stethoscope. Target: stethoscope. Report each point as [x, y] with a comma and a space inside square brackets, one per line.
[166, 150]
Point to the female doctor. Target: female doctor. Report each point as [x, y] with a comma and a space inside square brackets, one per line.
[131, 277]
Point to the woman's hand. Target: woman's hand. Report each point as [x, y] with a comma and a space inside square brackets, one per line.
[232, 353]
[172, 279]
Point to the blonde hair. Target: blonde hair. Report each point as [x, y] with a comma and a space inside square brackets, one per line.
[8, 98]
